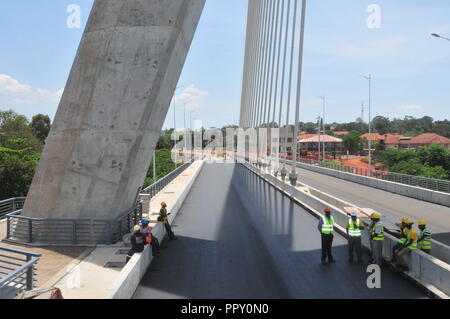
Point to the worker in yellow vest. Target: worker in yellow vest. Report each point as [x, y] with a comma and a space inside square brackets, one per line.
[424, 242]
[354, 227]
[377, 239]
[408, 247]
[326, 229]
[402, 237]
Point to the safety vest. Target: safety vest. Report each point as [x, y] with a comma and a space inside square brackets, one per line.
[425, 244]
[404, 234]
[327, 226]
[413, 245]
[353, 228]
[379, 236]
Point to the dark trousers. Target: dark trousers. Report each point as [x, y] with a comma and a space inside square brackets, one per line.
[354, 246]
[155, 246]
[327, 242]
[169, 231]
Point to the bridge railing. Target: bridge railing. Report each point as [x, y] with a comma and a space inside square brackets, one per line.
[17, 271]
[156, 187]
[61, 232]
[10, 205]
[423, 182]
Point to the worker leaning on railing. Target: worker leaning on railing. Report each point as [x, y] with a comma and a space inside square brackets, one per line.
[424, 242]
[164, 218]
[408, 247]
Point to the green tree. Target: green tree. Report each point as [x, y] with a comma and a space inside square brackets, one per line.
[41, 124]
[352, 141]
[381, 124]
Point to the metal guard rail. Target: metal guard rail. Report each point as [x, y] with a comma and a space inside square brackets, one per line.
[156, 187]
[439, 185]
[17, 271]
[10, 205]
[28, 230]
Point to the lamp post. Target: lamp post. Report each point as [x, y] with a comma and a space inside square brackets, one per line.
[439, 36]
[175, 118]
[369, 78]
[323, 124]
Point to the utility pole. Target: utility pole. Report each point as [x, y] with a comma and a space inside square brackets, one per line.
[369, 78]
[323, 125]
[319, 129]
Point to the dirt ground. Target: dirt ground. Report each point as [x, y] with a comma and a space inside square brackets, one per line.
[53, 259]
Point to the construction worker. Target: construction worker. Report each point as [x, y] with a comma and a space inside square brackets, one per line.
[354, 227]
[402, 236]
[137, 242]
[377, 239]
[326, 229]
[424, 242]
[163, 217]
[410, 245]
[149, 238]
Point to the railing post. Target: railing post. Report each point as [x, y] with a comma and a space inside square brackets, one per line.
[8, 227]
[30, 274]
[30, 231]
[74, 229]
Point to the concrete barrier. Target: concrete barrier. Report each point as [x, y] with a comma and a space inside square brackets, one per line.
[397, 188]
[429, 272]
[131, 275]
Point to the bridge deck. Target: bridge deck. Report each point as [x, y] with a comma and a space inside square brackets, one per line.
[391, 205]
[232, 244]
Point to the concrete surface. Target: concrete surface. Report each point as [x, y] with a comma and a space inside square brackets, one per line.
[428, 272]
[174, 195]
[391, 206]
[54, 259]
[241, 238]
[113, 107]
[89, 279]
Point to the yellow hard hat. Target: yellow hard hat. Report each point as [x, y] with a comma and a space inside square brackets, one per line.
[422, 222]
[375, 216]
[163, 204]
[404, 219]
[409, 222]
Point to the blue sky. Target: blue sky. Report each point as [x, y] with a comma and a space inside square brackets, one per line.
[411, 69]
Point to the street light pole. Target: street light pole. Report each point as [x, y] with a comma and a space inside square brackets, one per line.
[323, 124]
[439, 36]
[369, 78]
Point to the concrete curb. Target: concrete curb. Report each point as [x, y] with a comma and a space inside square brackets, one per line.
[428, 272]
[131, 275]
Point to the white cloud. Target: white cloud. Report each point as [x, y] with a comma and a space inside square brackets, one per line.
[23, 94]
[192, 97]
[410, 107]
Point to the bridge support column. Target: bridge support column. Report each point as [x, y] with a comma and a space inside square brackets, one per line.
[113, 108]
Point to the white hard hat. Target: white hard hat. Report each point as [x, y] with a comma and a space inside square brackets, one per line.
[354, 214]
[137, 228]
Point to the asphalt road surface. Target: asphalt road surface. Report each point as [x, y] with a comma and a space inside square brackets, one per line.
[390, 205]
[238, 237]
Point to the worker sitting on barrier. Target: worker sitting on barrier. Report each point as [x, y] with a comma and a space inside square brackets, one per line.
[149, 238]
[137, 240]
[410, 245]
[402, 236]
[424, 242]
[354, 227]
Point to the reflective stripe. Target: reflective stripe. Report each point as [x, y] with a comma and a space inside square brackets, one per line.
[352, 230]
[327, 228]
[376, 236]
[413, 245]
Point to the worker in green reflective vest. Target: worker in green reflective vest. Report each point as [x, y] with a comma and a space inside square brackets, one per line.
[377, 239]
[424, 242]
[408, 247]
[326, 229]
[354, 227]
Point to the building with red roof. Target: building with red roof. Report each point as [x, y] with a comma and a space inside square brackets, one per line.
[426, 139]
[311, 143]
